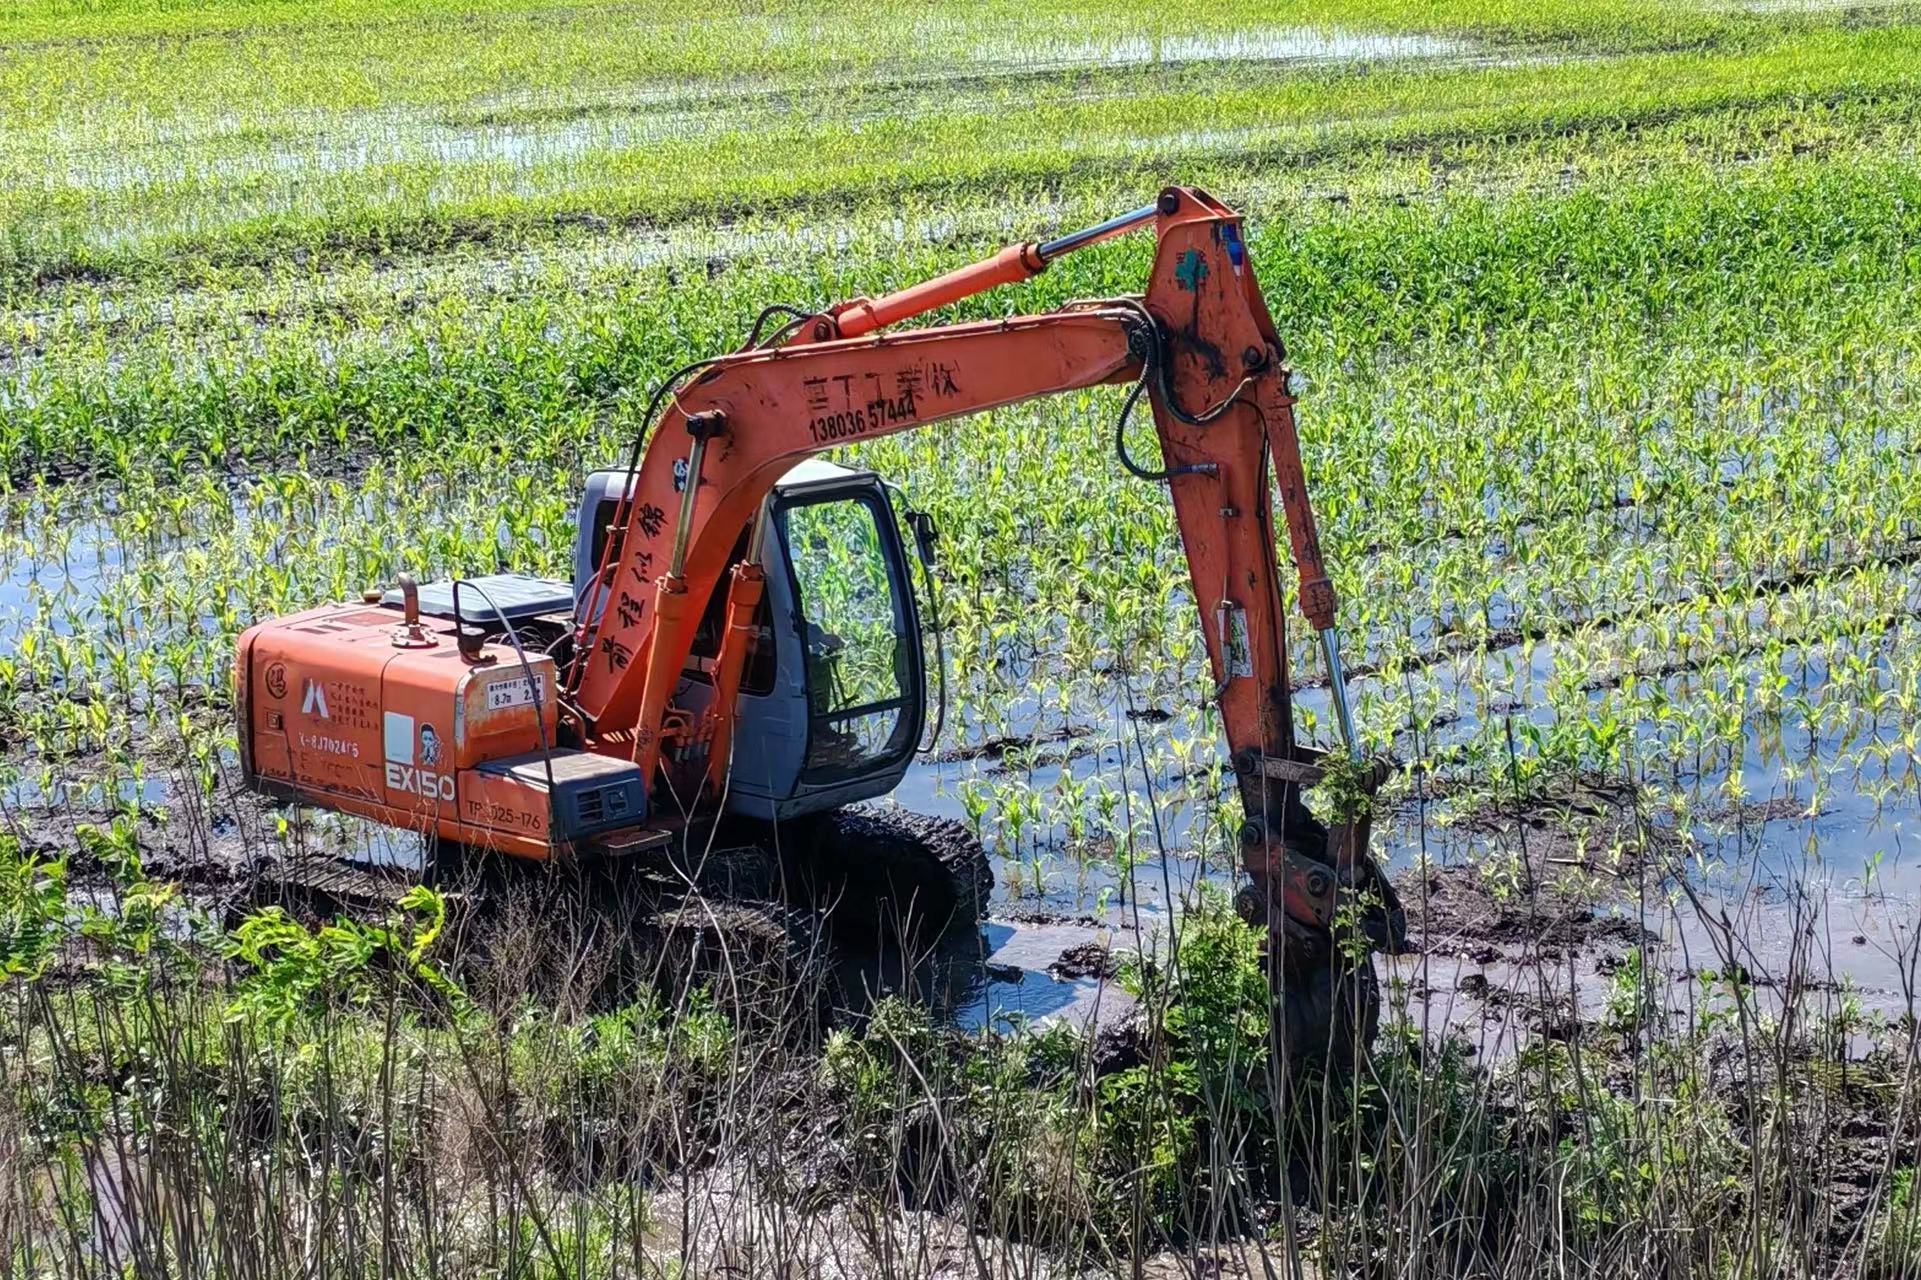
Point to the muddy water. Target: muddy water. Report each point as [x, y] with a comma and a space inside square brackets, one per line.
[1811, 880]
[65, 584]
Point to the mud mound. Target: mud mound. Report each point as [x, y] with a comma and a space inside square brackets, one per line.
[1563, 873]
[1584, 822]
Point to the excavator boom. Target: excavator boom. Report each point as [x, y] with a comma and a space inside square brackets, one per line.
[1204, 348]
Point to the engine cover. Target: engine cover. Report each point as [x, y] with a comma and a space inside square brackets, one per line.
[349, 708]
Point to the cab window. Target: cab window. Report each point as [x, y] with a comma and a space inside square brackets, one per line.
[853, 624]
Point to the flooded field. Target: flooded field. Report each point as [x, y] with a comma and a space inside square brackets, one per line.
[1105, 808]
[1602, 320]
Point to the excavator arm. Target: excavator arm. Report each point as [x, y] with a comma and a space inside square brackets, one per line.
[743, 421]
[1201, 346]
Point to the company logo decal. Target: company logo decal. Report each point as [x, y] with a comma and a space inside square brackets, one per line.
[314, 701]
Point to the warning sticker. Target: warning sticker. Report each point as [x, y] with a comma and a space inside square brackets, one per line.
[398, 735]
[515, 691]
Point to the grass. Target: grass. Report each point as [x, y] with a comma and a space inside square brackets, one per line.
[363, 1109]
[1603, 318]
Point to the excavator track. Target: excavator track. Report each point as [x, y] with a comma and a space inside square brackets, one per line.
[636, 926]
[881, 872]
[312, 887]
[744, 948]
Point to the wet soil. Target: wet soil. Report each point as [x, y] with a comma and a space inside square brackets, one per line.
[1088, 960]
[1828, 1140]
[208, 855]
[1001, 750]
[1027, 913]
[1568, 866]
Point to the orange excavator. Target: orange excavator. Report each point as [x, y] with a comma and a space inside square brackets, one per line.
[742, 640]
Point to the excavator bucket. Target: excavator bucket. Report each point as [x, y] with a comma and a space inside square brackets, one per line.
[1317, 875]
[1325, 904]
[1379, 915]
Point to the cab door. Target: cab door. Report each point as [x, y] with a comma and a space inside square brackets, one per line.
[838, 717]
[853, 612]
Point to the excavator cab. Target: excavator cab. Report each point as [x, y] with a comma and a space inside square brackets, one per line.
[833, 696]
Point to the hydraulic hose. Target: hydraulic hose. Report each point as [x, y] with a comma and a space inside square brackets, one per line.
[1154, 373]
[1147, 334]
[797, 316]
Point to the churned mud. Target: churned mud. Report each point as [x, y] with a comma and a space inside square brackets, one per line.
[1564, 874]
[1521, 941]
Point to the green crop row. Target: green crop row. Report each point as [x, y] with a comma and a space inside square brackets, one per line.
[130, 186]
[799, 37]
[1576, 457]
[1804, 260]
